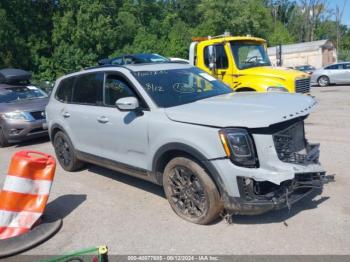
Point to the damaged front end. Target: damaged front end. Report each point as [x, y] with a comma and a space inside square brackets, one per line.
[258, 197]
[288, 170]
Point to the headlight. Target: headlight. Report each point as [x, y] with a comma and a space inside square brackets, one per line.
[277, 89]
[16, 115]
[239, 147]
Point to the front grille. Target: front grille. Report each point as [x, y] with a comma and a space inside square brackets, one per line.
[291, 145]
[37, 115]
[302, 85]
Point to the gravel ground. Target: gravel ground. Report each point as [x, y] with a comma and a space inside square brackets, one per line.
[133, 217]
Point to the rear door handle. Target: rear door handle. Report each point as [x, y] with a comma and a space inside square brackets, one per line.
[66, 115]
[102, 120]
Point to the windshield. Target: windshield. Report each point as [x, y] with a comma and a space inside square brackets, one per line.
[176, 87]
[20, 93]
[249, 54]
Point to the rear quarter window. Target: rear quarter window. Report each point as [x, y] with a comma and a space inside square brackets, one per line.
[65, 90]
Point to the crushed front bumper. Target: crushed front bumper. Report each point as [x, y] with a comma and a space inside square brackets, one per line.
[260, 197]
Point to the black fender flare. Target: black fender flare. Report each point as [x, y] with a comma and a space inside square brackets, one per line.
[207, 164]
[53, 127]
[50, 224]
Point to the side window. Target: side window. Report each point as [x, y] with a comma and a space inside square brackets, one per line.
[332, 67]
[346, 66]
[221, 57]
[117, 87]
[206, 56]
[89, 89]
[65, 90]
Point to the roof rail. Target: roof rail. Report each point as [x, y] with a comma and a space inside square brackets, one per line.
[136, 64]
[103, 66]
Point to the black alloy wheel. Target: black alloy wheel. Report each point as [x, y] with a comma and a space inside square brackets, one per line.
[190, 191]
[187, 192]
[65, 153]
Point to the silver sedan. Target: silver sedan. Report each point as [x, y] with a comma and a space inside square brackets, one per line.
[332, 74]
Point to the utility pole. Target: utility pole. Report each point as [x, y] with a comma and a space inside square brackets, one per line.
[279, 61]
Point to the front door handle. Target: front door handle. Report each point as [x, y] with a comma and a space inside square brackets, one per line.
[102, 120]
[66, 115]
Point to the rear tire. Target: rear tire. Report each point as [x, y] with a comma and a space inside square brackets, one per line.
[323, 81]
[3, 140]
[191, 192]
[65, 153]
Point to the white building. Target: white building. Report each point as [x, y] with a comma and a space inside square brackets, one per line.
[315, 53]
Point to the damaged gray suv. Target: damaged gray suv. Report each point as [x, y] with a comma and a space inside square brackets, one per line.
[172, 124]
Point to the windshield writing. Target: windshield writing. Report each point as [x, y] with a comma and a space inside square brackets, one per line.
[175, 87]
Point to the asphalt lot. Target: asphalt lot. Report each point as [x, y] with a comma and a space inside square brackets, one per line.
[133, 217]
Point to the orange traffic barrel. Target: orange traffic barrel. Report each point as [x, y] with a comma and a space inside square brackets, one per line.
[25, 192]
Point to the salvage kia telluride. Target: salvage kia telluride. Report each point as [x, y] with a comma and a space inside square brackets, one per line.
[173, 124]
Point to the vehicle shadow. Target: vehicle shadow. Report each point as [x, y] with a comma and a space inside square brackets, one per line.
[32, 142]
[128, 180]
[62, 206]
[135, 182]
[282, 215]
[276, 216]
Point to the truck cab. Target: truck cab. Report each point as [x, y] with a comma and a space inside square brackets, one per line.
[243, 64]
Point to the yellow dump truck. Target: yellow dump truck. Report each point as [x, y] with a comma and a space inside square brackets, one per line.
[243, 64]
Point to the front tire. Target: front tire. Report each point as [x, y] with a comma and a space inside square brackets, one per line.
[65, 153]
[3, 140]
[323, 81]
[191, 192]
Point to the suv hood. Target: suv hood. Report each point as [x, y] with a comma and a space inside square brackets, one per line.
[25, 105]
[277, 72]
[248, 109]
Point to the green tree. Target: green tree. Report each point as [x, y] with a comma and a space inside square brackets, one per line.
[83, 32]
[55, 37]
[25, 28]
[238, 17]
[280, 35]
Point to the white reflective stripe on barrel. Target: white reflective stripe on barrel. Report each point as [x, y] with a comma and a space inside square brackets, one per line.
[21, 219]
[27, 186]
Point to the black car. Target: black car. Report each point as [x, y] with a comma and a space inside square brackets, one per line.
[134, 59]
[22, 107]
